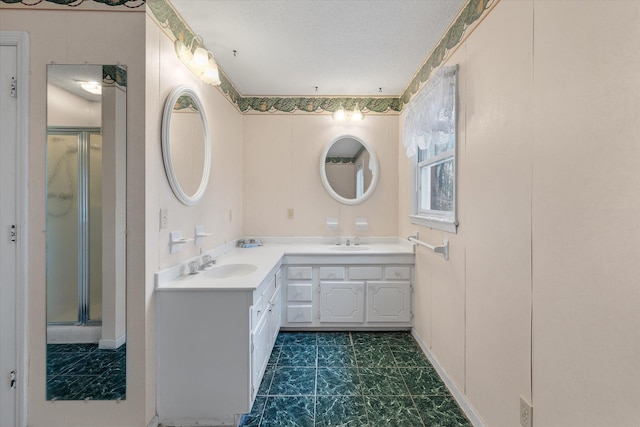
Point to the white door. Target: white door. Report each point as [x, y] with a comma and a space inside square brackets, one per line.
[342, 302]
[8, 252]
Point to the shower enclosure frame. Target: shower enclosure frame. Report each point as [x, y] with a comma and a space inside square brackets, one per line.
[84, 248]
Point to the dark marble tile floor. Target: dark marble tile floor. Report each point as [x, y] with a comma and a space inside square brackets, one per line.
[351, 379]
[83, 371]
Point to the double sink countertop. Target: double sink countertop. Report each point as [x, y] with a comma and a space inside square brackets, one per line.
[246, 268]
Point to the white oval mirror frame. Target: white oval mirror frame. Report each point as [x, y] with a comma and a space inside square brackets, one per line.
[187, 199]
[373, 163]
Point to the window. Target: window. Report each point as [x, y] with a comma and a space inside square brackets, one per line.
[430, 138]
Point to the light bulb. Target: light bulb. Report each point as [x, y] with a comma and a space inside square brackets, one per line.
[339, 114]
[211, 75]
[199, 61]
[183, 53]
[357, 114]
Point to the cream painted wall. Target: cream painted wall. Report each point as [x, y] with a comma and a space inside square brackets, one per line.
[540, 297]
[67, 36]
[586, 213]
[282, 170]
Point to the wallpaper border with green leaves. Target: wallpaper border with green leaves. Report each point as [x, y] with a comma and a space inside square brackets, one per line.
[473, 10]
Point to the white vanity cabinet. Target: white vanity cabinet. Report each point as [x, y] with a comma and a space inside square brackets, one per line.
[213, 346]
[354, 292]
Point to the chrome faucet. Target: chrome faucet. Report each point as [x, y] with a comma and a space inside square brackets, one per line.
[207, 261]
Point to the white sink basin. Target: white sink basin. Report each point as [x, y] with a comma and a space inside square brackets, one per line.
[349, 248]
[228, 271]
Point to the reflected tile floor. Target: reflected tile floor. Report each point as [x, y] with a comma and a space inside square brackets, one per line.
[83, 371]
[359, 379]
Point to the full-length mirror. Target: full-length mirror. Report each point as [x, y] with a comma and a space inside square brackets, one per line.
[86, 232]
[185, 145]
[349, 169]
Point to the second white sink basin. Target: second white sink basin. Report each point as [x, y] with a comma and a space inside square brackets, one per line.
[353, 248]
[228, 271]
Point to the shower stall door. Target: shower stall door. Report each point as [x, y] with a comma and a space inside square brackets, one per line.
[74, 226]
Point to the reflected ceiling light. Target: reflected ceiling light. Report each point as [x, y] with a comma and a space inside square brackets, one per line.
[92, 87]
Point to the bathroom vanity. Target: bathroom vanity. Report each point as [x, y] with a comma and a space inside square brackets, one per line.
[216, 329]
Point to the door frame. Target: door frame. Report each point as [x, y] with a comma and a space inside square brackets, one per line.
[20, 39]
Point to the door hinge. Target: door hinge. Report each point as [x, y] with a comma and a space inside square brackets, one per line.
[13, 233]
[14, 87]
[12, 380]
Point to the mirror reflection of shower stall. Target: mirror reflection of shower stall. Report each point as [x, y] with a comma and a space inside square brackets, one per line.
[86, 232]
[74, 230]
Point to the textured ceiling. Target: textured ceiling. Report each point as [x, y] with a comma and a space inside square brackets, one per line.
[344, 47]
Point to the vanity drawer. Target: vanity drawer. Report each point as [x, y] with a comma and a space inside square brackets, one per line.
[332, 273]
[397, 273]
[299, 292]
[365, 273]
[299, 273]
[299, 313]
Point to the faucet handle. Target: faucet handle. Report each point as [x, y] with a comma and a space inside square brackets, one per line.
[206, 260]
[338, 241]
[356, 241]
[194, 267]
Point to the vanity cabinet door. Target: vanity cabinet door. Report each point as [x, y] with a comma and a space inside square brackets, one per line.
[275, 314]
[260, 349]
[342, 302]
[388, 301]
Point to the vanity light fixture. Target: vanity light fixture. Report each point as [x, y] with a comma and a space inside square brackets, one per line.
[92, 87]
[357, 115]
[201, 61]
[341, 115]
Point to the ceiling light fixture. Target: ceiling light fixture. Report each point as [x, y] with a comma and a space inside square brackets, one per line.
[92, 87]
[201, 61]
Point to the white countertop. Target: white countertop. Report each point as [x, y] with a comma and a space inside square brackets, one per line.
[268, 258]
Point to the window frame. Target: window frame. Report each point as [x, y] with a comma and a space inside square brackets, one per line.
[439, 220]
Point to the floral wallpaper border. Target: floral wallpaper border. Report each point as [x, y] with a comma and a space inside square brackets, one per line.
[168, 19]
[75, 3]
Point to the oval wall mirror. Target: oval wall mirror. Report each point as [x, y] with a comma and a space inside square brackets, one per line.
[185, 145]
[349, 169]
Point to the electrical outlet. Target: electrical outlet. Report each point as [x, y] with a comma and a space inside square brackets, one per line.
[290, 213]
[526, 413]
[164, 218]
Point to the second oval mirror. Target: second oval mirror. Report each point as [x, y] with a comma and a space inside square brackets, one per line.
[349, 169]
[185, 145]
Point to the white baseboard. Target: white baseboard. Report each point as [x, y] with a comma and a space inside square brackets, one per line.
[153, 422]
[71, 334]
[458, 395]
[108, 343]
